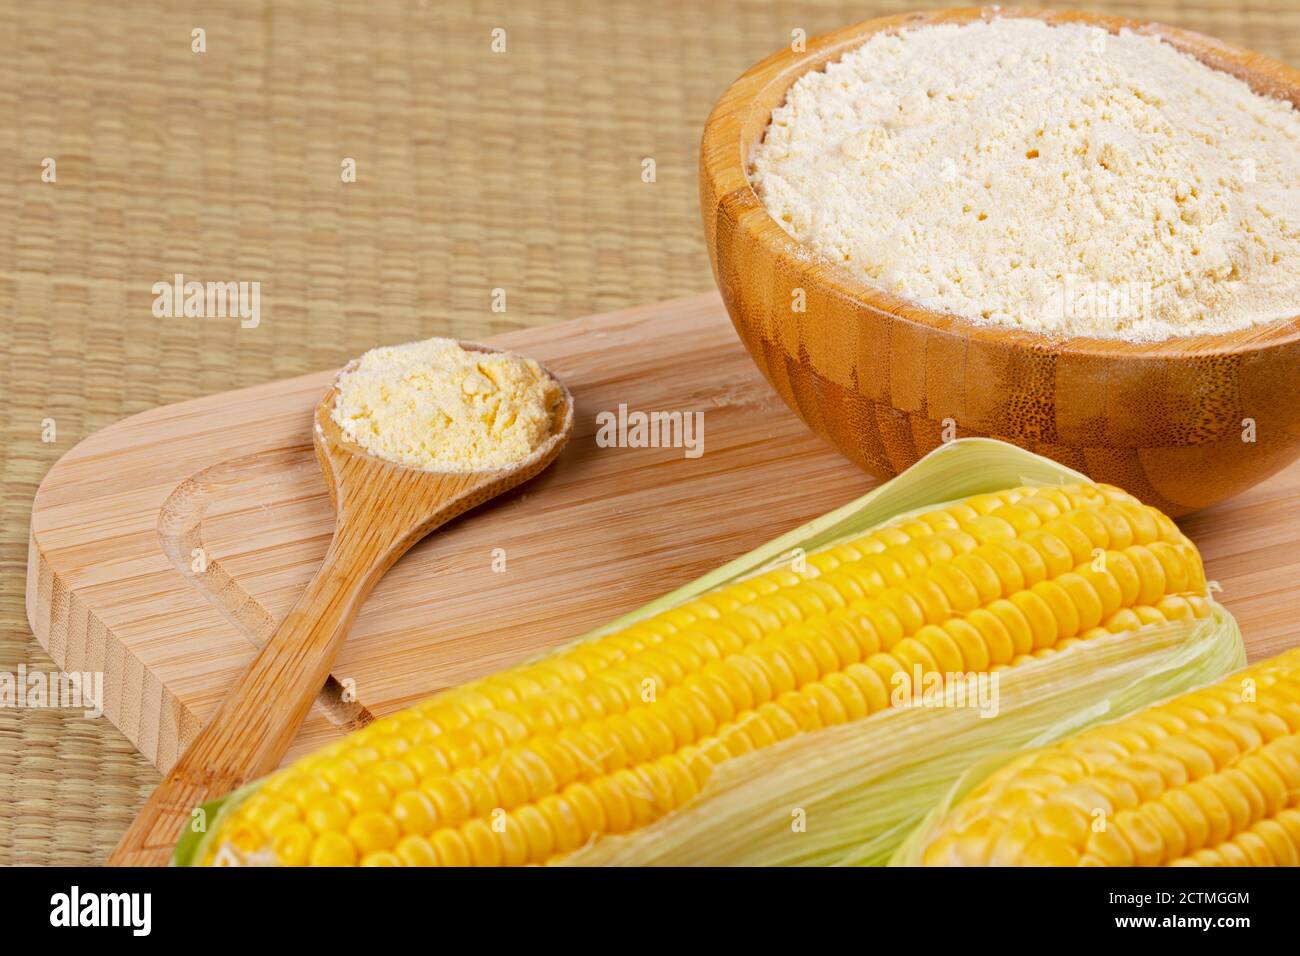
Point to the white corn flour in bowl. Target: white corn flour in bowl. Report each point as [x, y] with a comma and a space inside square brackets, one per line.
[1058, 179]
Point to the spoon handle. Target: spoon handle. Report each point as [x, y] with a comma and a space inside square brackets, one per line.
[248, 735]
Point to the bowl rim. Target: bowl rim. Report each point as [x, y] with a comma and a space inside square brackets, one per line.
[744, 107]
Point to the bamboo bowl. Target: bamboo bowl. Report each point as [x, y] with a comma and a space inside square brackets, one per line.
[885, 380]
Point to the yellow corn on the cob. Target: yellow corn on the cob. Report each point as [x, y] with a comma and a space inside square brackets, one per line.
[1210, 778]
[610, 734]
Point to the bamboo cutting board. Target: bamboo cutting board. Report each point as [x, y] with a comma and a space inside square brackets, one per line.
[165, 548]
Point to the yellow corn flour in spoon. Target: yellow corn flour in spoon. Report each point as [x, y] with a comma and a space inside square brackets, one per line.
[437, 406]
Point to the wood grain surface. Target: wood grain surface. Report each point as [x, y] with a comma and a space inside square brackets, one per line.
[884, 379]
[112, 586]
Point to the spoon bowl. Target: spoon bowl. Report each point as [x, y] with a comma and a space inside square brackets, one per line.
[420, 500]
[381, 509]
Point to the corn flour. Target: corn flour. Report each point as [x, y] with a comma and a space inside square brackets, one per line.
[1052, 178]
[437, 406]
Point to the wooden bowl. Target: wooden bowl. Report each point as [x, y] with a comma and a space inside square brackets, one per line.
[885, 380]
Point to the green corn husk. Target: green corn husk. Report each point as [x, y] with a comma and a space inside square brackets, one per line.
[859, 788]
[911, 851]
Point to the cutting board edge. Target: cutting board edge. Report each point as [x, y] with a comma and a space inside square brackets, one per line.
[136, 701]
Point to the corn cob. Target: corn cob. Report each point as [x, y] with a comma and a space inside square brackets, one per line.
[1210, 778]
[611, 734]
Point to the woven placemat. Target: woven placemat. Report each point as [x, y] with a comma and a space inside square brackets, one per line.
[475, 170]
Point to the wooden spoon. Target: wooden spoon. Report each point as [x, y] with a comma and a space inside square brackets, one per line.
[380, 510]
